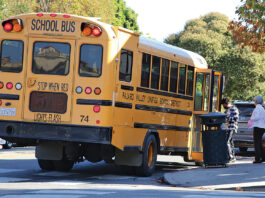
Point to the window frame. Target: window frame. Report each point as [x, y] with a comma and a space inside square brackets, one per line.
[86, 75]
[22, 58]
[124, 80]
[70, 51]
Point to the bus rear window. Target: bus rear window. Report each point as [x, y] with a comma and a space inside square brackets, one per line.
[51, 58]
[90, 64]
[11, 59]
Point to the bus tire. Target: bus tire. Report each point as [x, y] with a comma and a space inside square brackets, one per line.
[8, 145]
[63, 165]
[46, 164]
[149, 157]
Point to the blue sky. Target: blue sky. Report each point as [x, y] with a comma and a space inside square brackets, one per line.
[160, 18]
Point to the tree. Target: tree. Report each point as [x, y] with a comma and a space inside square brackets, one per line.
[209, 36]
[250, 29]
[124, 16]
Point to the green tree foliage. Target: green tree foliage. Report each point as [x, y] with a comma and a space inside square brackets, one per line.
[110, 11]
[124, 16]
[249, 30]
[209, 36]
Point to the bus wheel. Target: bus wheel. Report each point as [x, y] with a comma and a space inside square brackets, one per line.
[46, 164]
[63, 165]
[149, 157]
[7, 145]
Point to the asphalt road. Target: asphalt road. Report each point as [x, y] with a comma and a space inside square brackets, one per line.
[21, 177]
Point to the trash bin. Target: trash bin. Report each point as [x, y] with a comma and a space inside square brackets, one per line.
[214, 139]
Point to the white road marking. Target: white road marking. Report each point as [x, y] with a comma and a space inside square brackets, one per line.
[2, 170]
[11, 179]
[67, 182]
[39, 196]
[73, 192]
[56, 174]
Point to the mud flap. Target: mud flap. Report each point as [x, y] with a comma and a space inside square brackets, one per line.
[128, 158]
[49, 151]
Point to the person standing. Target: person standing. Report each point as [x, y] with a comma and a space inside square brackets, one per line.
[232, 116]
[257, 121]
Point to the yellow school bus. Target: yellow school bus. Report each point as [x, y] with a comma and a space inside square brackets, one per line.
[80, 89]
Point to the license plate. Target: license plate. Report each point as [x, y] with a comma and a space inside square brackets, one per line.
[7, 111]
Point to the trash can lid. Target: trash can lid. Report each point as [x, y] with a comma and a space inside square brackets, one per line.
[213, 114]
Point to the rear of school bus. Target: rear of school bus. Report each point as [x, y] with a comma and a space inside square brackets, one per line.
[54, 92]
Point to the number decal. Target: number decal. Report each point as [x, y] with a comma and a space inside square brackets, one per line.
[84, 118]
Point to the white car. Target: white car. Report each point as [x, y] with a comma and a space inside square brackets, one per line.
[5, 144]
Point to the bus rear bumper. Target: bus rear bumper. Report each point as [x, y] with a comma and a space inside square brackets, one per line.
[32, 132]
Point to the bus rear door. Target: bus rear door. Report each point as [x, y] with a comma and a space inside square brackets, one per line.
[208, 92]
[49, 80]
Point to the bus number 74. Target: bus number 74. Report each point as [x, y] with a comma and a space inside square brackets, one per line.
[84, 118]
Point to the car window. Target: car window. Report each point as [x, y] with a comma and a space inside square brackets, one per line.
[245, 111]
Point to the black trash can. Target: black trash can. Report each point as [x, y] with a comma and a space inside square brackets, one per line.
[214, 139]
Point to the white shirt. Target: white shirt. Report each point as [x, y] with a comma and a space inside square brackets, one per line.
[258, 117]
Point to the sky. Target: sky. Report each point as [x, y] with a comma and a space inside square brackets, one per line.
[160, 18]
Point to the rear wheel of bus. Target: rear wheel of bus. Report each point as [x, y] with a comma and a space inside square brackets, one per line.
[149, 157]
[46, 164]
[63, 165]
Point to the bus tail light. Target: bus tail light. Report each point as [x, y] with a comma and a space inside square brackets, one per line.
[88, 90]
[53, 15]
[39, 14]
[13, 25]
[18, 86]
[1, 85]
[96, 108]
[97, 91]
[0, 102]
[9, 85]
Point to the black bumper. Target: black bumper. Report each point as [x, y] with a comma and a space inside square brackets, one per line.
[31, 131]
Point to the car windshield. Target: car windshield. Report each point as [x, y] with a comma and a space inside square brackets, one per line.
[245, 111]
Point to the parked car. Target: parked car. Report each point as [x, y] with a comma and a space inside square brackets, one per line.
[6, 144]
[243, 139]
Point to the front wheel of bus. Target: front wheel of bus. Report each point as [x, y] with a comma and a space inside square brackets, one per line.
[46, 164]
[63, 165]
[149, 157]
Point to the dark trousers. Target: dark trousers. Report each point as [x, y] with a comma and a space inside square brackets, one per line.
[230, 144]
[257, 137]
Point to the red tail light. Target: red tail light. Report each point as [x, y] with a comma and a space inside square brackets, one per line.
[39, 14]
[0, 102]
[96, 108]
[9, 85]
[53, 15]
[8, 27]
[66, 16]
[88, 90]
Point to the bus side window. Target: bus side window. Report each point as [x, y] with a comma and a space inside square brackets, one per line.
[164, 75]
[190, 80]
[11, 56]
[182, 78]
[173, 77]
[145, 76]
[199, 92]
[126, 65]
[155, 72]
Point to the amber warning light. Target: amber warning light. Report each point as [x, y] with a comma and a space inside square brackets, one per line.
[90, 30]
[13, 25]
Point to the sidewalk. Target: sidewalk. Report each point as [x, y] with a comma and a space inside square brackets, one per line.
[240, 175]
